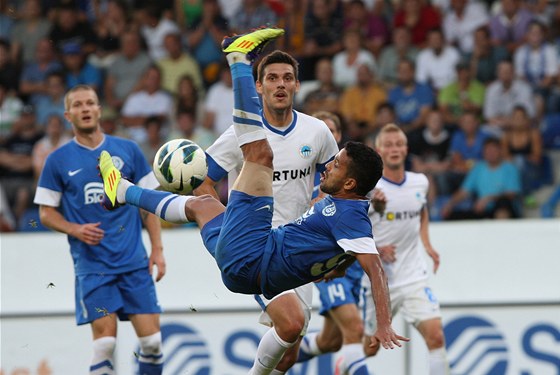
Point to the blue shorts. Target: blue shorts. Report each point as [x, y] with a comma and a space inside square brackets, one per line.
[246, 227]
[338, 292]
[126, 293]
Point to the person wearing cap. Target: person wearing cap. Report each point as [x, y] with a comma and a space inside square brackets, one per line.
[79, 71]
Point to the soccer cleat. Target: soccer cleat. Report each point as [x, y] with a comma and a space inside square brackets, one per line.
[111, 177]
[251, 43]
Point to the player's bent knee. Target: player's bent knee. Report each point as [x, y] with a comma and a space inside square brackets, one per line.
[332, 345]
[290, 330]
[435, 340]
[259, 152]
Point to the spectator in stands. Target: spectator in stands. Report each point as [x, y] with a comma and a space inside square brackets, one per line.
[292, 21]
[465, 151]
[177, 64]
[187, 127]
[217, 109]
[485, 57]
[154, 28]
[461, 21]
[205, 38]
[28, 31]
[429, 151]
[346, 62]
[9, 72]
[149, 101]
[324, 92]
[358, 104]
[412, 101]
[493, 183]
[10, 110]
[371, 26]
[391, 55]
[124, 75]
[55, 136]
[436, 63]
[154, 138]
[16, 170]
[33, 78]
[504, 94]
[323, 35]
[6, 20]
[187, 12]
[109, 27]
[509, 25]
[53, 102]
[465, 94]
[78, 70]
[522, 145]
[537, 62]
[69, 28]
[419, 17]
[188, 98]
[252, 14]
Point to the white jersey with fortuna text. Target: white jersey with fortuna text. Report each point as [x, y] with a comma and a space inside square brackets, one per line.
[400, 226]
[300, 149]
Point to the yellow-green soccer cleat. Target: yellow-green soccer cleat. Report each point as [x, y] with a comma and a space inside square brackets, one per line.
[111, 177]
[251, 43]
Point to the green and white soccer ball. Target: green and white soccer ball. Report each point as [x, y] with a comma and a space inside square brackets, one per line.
[180, 166]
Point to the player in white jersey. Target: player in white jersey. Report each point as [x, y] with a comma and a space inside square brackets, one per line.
[400, 223]
[302, 146]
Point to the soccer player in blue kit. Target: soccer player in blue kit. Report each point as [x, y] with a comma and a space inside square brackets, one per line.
[343, 328]
[113, 272]
[253, 257]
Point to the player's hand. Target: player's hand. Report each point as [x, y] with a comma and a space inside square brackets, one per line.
[387, 253]
[89, 233]
[435, 257]
[157, 259]
[379, 201]
[386, 337]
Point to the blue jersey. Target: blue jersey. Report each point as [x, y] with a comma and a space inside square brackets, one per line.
[304, 250]
[70, 180]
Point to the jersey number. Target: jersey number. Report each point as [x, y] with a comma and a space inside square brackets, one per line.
[336, 291]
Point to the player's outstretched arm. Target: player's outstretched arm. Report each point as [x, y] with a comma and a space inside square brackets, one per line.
[425, 237]
[371, 263]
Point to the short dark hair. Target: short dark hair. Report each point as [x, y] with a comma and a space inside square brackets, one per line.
[365, 166]
[492, 141]
[276, 57]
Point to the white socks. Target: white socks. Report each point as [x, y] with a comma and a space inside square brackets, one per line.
[269, 353]
[102, 361]
[438, 362]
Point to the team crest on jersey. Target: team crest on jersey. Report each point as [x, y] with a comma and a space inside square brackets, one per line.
[329, 210]
[421, 197]
[305, 151]
[119, 163]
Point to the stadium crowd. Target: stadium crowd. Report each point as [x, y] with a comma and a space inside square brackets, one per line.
[474, 84]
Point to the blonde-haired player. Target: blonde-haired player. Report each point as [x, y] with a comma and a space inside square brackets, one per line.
[400, 226]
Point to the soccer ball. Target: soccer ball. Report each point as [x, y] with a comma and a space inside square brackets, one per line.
[180, 166]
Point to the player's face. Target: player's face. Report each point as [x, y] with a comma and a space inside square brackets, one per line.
[278, 87]
[392, 148]
[335, 175]
[83, 110]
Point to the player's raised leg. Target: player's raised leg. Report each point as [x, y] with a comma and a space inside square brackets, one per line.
[255, 178]
[168, 206]
[256, 175]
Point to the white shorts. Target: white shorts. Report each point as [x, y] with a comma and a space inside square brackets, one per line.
[416, 302]
[305, 296]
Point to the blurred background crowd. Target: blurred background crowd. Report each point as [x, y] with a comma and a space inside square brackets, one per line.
[474, 84]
